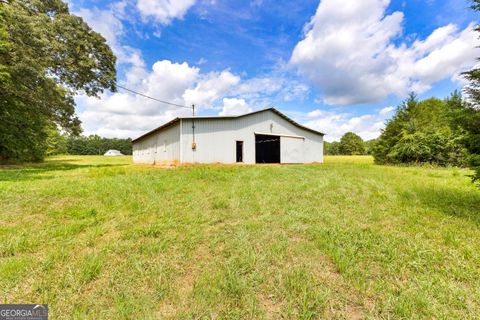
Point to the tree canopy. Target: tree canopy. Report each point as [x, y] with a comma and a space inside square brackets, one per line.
[84, 145]
[47, 56]
[422, 132]
[351, 144]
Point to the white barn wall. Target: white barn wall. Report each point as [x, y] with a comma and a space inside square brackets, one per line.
[162, 147]
[292, 150]
[215, 139]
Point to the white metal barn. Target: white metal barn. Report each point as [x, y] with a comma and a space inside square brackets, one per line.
[265, 136]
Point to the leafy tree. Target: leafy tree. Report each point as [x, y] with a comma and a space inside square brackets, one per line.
[370, 146]
[351, 144]
[421, 132]
[56, 142]
[47, 56]
[332, 148]
[393, 130]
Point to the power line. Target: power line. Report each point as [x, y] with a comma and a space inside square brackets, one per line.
[152, 98]
[194, 145]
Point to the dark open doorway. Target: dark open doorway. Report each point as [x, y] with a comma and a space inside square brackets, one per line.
[267, 149]
[239, 151]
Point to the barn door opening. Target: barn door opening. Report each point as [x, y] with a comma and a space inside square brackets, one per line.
[239, 151]
[267, 149]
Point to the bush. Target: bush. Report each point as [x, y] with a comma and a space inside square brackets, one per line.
[435, 147]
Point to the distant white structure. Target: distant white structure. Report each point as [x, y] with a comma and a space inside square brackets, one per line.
[265, 136]
[112, 153]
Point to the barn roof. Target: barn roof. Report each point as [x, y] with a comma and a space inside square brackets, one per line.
[174, 121]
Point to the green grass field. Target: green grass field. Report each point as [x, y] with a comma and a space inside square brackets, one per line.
[97, 237]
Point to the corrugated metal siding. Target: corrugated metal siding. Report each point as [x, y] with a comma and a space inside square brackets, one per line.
[216, 139]
[162, 147]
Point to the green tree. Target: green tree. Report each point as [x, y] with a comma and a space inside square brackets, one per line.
[370, 146]
[47, 56]
[393, 130]
[351, 144]
[332, 148]
[465, 121]
[467, 115]
[421, 132]
[56, 142]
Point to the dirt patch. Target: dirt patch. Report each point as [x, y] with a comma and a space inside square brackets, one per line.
[271, 307]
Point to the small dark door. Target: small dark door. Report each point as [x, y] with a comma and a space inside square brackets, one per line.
[239, 151]
[267, 149]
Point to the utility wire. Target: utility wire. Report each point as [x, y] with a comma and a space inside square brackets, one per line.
[152, 98]
[169, 103]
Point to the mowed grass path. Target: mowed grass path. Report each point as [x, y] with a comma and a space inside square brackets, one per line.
[97, 237]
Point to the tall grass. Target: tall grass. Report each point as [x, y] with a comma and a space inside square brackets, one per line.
[97, 237]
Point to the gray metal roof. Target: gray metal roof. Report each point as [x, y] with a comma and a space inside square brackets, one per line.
[174, 121]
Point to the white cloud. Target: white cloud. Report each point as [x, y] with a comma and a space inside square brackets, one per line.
[336, 124]
[446, 54]
[260, 90]
[234, 106]
[210, 88]
[169, 81]
[260, 84]
[164, 11]
[386, 111]
[349, 53]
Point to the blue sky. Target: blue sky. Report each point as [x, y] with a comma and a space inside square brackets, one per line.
[334, 65]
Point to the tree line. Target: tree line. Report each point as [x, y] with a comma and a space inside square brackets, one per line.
[85, 145]
[349, 144]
